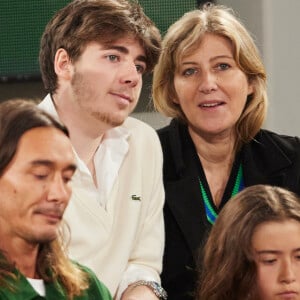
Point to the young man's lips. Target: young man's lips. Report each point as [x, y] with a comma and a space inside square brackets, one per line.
[124, 96]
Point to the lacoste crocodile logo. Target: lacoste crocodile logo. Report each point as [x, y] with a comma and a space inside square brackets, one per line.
[135, 197]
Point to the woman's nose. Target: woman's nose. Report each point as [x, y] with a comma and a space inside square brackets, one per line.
[208, 82]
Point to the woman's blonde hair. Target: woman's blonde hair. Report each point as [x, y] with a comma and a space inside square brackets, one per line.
[184, 37]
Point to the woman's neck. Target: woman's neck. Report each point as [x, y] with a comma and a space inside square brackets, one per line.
[216, 154]
[214, 149]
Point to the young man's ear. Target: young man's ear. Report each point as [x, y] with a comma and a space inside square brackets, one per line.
[62, 64]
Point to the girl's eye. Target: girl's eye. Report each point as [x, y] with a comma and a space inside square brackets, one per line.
[268, 261]
[40, 176]
[189, 72]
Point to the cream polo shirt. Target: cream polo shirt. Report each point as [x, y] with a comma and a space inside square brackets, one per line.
[117, 229]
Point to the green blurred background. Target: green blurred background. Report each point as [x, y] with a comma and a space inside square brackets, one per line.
[22, 23]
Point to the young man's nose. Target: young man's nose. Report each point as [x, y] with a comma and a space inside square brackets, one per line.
[130, 74]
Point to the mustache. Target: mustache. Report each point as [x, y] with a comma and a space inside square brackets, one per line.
[56, 211]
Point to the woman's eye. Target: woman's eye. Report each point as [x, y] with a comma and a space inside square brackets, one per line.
[223, 66]
[189, 72]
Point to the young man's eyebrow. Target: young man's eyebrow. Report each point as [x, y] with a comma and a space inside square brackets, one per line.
[124, 50]
[121, 49]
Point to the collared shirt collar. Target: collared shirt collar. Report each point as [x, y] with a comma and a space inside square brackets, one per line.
[108, 158]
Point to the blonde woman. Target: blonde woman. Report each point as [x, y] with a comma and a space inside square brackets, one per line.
[210, 79]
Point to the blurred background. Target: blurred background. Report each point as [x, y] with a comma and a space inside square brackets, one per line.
[274, 24]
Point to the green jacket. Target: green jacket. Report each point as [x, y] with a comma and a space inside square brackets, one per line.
[54, 291]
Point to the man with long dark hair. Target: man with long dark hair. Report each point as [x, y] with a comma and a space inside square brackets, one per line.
[36, 167]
